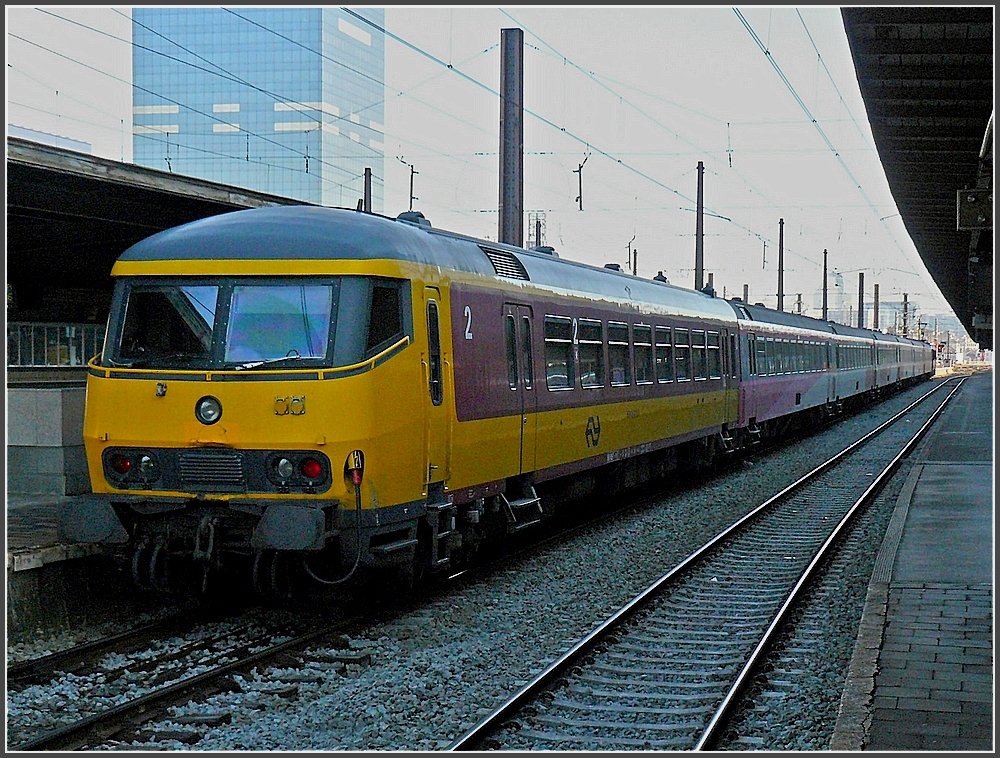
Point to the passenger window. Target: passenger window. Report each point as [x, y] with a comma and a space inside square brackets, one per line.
[559, 353]
[682, 354]
[529, 372]
[511, 352]
[714, 356]
[434, 353]
[385, 319]
[699, 359]
[642, 348]
[591, 351]
[618, 358]
[664, 355]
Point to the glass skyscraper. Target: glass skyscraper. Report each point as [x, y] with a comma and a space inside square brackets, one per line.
[284, 101]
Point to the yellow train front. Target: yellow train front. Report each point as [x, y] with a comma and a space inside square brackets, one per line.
[300, 391]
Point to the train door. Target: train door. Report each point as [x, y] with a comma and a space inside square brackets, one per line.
[436, 427]
[730, 373]
[521, 376]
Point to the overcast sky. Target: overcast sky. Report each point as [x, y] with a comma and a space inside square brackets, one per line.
[642, 94]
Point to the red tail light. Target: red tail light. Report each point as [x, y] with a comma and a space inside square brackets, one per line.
[311, 468]
[121, 463]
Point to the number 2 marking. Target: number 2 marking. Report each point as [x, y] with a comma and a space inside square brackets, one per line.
[468, 323]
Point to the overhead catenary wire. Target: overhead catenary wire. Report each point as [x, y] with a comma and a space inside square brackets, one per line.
[568, 133]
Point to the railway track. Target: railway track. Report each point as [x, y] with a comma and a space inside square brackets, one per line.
[666, 670]
[21, 674]
[200, 664]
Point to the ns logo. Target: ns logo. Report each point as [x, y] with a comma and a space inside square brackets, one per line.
[593, 431]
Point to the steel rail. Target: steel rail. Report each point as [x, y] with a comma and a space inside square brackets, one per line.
[730, 700]
[79, 733]
[488, 723]
[48, 665]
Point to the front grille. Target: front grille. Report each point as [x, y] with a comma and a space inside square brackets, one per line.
[215, 469]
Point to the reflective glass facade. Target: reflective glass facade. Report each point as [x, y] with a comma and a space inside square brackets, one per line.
[285, 101]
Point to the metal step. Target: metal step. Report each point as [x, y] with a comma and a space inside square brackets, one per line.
[520, 506]
[440, 557]
[728, 443]
[393, 547]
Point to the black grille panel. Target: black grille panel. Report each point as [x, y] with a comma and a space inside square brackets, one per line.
[215, 469]
[505, 264]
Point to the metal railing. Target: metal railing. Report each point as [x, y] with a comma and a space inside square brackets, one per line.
[32, 345]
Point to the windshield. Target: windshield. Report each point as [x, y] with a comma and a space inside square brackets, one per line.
[179, 325]
[165, 322]
[245, 323]
[278, 321]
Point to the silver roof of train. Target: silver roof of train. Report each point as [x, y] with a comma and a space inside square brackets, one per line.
[315, 233]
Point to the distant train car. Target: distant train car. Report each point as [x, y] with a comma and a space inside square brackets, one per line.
[794, 364]
[306, 390]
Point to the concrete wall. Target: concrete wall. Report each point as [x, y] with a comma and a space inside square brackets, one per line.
[45, 441]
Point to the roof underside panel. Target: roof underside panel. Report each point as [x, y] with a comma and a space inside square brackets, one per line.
[926, 76]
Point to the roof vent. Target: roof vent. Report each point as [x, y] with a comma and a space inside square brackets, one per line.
[613, 266]
[505, 263]
[547, 249]
[760, 304]
[415, 218]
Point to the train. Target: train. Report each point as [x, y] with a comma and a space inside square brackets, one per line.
[303, 391]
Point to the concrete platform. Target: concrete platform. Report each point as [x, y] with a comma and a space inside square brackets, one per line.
[922, 674]
[54, 587]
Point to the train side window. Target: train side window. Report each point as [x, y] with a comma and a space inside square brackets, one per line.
[590, 337]
[529, 371]
[511, 352]
[733, 357]
[559, 353]
[618, 358]
[642, 346]
[434, 353]
[699, 362]
[664, 355]
[714, 355]
[682, 354]
[385, 318]
[763, 358]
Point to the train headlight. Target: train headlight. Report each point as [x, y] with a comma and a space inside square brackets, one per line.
[208, 410]
[285, 468]
[147, 467]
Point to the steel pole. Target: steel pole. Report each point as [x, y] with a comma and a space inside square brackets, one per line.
[699, 230]
[511, 135]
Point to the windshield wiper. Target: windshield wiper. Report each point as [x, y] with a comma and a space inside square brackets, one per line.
[273, 361]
